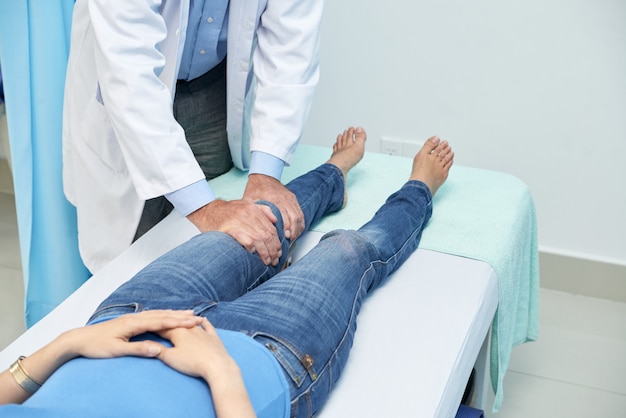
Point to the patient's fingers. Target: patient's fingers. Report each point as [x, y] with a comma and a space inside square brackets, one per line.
[156, 320]
[144, 348]
[111, 338]
[196, 351]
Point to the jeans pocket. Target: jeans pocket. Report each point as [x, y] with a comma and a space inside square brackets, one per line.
[296, 364]
[115, 309]
[201, 308]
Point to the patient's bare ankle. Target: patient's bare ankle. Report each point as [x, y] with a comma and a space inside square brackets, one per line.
[348, 150]
[432, 163]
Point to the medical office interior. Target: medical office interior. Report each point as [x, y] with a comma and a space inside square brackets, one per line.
[534, 89]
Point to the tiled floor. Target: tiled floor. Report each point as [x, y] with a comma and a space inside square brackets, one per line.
[11, 282]
[577, 368]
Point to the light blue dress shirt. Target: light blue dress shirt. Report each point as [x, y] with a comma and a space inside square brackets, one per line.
[205, 47]
[205, 43]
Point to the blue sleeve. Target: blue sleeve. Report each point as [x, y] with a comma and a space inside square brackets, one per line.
[192, 197]
[262, 163]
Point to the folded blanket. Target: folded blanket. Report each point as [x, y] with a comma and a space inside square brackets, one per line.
[480, 214]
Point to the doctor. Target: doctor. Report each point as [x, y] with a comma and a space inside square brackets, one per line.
[163, 94]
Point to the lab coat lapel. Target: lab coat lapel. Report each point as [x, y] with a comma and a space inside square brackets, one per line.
[175, 13]
[244, 16]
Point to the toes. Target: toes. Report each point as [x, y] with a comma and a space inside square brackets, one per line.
[348, 139]
[349, 136]
[448, 157]
[440, 149]
[338, 143]
[432, 143]
[341, 139]
[360, 134]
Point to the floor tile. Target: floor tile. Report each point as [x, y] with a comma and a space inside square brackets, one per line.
[6, 179]
[7, 209]
[12, 323]
[529, 396]
[577, 358]
[9, 247]
[587, 315]
[582, 341]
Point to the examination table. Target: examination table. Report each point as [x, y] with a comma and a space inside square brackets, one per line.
[460, 302]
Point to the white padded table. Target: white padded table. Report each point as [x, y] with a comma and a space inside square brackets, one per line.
[418, 336]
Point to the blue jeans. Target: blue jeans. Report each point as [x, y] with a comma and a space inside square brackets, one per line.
[306, 314]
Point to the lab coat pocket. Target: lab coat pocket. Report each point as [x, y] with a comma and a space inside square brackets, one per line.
[99, 137]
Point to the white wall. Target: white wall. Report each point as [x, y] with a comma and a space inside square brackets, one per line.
[532, 88]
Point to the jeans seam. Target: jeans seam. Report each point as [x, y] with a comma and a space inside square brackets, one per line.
[372, 267]
[336, 172]
[340, 344]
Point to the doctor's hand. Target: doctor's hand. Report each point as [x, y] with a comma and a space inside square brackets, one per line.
[250, 224]
[262, 187]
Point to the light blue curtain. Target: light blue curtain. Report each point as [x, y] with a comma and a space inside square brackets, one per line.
[34, 46]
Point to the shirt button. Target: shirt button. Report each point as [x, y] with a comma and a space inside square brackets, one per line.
[202, 51]
[209, 19]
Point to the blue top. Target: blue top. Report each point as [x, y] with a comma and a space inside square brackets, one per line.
[135, 386]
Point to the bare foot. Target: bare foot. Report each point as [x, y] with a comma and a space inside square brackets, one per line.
[432, 163]
[348, 151]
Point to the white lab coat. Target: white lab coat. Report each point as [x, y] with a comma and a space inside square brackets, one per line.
[121, 143]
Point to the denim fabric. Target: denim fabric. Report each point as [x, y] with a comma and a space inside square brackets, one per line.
[306, 314]
[212, 267]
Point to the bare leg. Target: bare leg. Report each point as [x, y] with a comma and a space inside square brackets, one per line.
[348, 151]
[432, 163]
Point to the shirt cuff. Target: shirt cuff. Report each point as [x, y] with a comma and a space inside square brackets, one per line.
[191, 198]
[262, 163]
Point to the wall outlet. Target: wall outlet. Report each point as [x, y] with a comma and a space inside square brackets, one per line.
[390, 146]
[410, 148]
[397, 146]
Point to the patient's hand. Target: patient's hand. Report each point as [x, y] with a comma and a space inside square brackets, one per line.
[199, 351]
[250, 224]
[112, 338]
[103, 340]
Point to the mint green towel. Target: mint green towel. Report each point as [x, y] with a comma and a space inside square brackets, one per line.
[480, 214]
